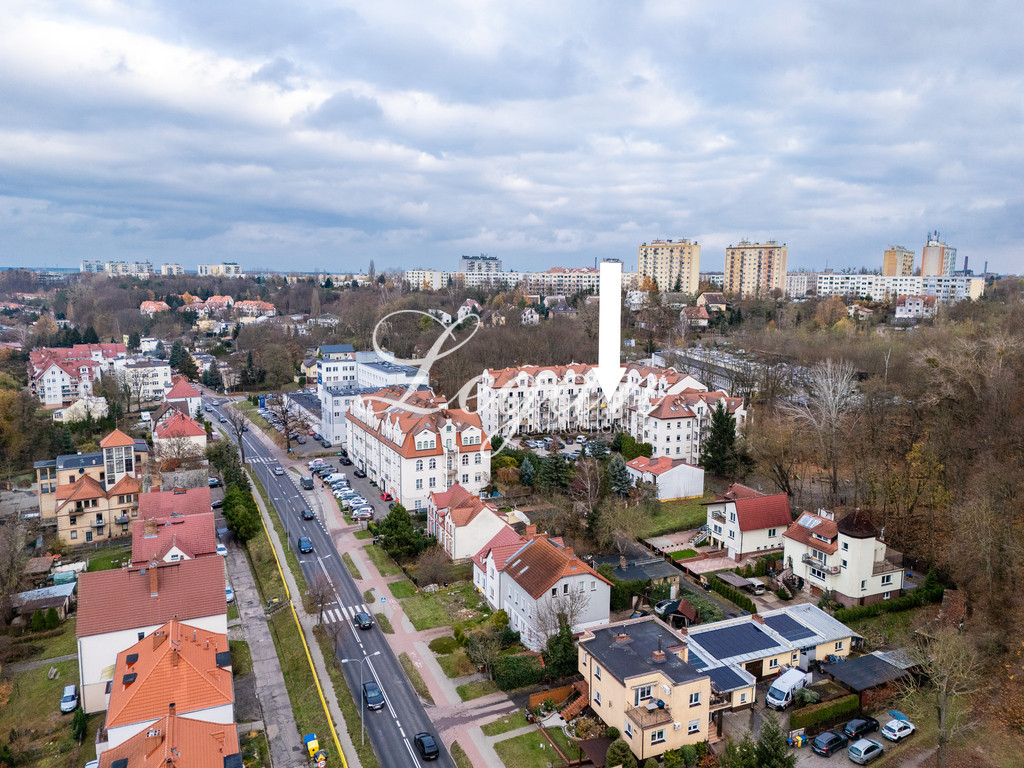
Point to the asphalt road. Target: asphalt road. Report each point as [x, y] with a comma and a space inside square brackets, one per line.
[392, 728]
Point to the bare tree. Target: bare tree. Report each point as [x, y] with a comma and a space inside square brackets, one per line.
[571, 604]
[320, 594]
[825, 413]
[290, 420]
[433, 567]
[619, 523]
[12, 562]
[238, 423]
[585, 488]
[953, 673]
[778, 448]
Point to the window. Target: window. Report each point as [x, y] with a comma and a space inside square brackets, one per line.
[693, 726]
[658, 736]
[419, 484]
[820, 575]
[419, 465]
[773, 663]
[479, 459]
[593, 586]
[641, 694]
[842, 563]
[839, 645]
[771, 533]
[695, 700]
[597, 672]
[74, 534]
[554, 591]
[886, 595]
[597, 698]
[732, 534]
[465, 478]
[432, 464]
[628, 730]
[432, 482]
[743, 698]
[465, 459]
[732, 517]
[863, 586]
[846, 546]
[887, 579]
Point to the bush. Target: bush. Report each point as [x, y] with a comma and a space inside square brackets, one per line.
[651, 763]
[443, 645]
[52, 619]
[783, 594]
[805, 697]
[611, 732]
[619, 753]
[38, 622]
[79, 725]
[460, 636]
[733, 595]
[512, 672]
[923, 595]
[827, 712]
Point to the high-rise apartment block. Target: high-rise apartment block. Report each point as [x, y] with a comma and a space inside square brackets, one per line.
[897, 261]
[937, 258]
[673, 264]
[170, 270]
[481, 263]
[227, 269]
[755, 269]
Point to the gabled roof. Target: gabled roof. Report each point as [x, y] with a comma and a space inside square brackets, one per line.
[177, 742]
[194, 535]
[461, 506]
[111, 601]
[809, 527]
[182, 501]
[178, 425]
[85, 487]
[763, 512]
[175, 664]
[182, 390]
[125, 485]
[504, 543]
[117, 439]
[539, 564]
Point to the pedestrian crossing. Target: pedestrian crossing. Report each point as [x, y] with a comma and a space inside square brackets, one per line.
[336, 614]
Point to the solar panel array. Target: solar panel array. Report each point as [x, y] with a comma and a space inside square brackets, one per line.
[788, 627]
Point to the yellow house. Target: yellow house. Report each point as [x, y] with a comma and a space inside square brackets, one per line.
[639, 681]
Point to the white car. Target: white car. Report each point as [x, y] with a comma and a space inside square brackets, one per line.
[229, 594]
[222, 550]
[897, 730]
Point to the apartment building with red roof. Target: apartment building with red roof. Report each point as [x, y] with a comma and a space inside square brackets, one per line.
[182, 391]
[177, 742]
[179, 437]
[60, 375]
[118, 608]
[461, 521]
[153, 307]
[170, 539]
[745, 521]
[251, 308]
[489, 562]
[411, 444]
[675, 424]
[178, 665]
[177, 501]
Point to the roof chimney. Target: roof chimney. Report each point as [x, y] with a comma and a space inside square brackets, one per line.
[158, 637]
[659, 655]
[174, 657]
[622, 637]
[758, 618]
[154, 738]
[179, 491]
[153, 581]
[149, 528]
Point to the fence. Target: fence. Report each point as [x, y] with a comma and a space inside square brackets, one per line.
[557, 695]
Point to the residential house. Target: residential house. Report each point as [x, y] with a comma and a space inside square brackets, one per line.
[175, 538]
[147, 380]
[61, 375]
[60, 597]
[179, 742]
[638, 564]
[673, 478]
[746, 521]
[461, 522]
[336, 365]
[529, 316]
[676, 424]
[712, 302]
[469, 307]
[118, 608]
[562, 309]
[542, 580]
[441, 315]
[915, 307]
[181, 390]
[218, 305]
[257, 308]
[489, 562]
[412, 443]
[694, 317]
[81, 409]
[179, 438]
[640, 680]
[178, 501]
[153, 307]
[179, 666]
[846, 558]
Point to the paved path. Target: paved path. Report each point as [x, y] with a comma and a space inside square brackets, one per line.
[40, 663]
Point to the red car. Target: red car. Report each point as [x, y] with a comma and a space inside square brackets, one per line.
[387, 497]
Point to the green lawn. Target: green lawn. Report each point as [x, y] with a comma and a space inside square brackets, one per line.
[424, 612]
[456, 664]
[475, 690]
[531, 750]
[402, 589]
[567, 745]
[108, 558]
[459, 756]
[443, 645]
[232, 612]
[368, 597]
[363, 534]
[50, 647]
[418, 684]
[353, 569]
[385, 565]
[384, 623]
[241, 658]
[505, 724]
[678, 516]
[683, 554]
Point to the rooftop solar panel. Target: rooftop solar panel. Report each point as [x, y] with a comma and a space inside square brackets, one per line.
[788, 627]
[725, 679]
[732, 641]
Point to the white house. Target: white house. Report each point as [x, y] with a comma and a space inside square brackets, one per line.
[178, 667]
[147, 380]
[543, 579]
[674, 478]
[469, 307]
[411, 444]
[336, 365]
[529, 316]
[915, 307]
[182, 391]
[178, 436]
[746, 521]
[118, 608]
[461, 522]
[175, 538]
[675, 424]
[847, 558]
[81, 409]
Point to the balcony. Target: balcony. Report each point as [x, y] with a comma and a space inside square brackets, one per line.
[892, 562]
[720, 702]
[718, 515]
[649, 715]
[99, 524]
[814, 562]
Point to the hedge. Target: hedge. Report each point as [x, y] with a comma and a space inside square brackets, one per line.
[825, 712]
[512, 672]
[733, 595]
[927, 593]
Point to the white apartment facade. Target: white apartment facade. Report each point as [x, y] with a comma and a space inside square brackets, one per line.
[675, 425]
[226, 269]
[147, 380]
[171, 270]
[915, 307]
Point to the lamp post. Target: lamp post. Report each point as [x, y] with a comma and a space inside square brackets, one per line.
[362, 705]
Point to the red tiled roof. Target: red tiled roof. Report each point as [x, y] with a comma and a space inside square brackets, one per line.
[807, 522]
[160, 504]
[763, 512]
[182, 390]
[658, 466]
[85, 487]
[176, 663]
[540, 564]
[505, 539]
[738, 491]
[176, 742]
[194, 535]
[178, 425]
[110, 601]
[116, 439]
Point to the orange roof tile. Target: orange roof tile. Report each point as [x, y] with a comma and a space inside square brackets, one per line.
[116, 439]
[159, 504]
[809, 522]
[110, 601]
[181, 390]
[658, 466]
[178, 424]
[178, 742]
[85, 487]
[194, 535]
[540, 563]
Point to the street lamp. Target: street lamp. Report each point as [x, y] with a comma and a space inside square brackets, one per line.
[362, 706]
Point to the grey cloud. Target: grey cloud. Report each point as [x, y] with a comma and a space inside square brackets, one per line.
[343, 108]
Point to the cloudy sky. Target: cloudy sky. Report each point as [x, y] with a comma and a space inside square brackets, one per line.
[317, 135]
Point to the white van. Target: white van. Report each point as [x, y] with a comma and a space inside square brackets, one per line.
[780, 695]
[334, 477]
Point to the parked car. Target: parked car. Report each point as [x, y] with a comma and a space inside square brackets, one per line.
[216, 503]
[362, 620]
[386, 497]
[301, 439]
[897, 730]
[311, 432]
[361, 514]
[222, 550]
[372, 695]
[307, 514]
[222, 420]
[426, 746]
[345, 461]
[859, 727]
[581, 440]
[215, 482]
[305, 545]
[359, 473]
[229, 594]
[69, 699]
[342, 452]
[307, 483]
[829, 742]
[864, 751]
[327, 444]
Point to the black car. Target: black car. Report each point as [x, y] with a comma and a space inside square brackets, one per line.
[216, 503]
[829, 742]
[362, 620]
[426, 745]
[305, 545]
[345, 461]
[342, 452]
[859, 727]
[372, 695]
[307, 514]
[359, 473]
